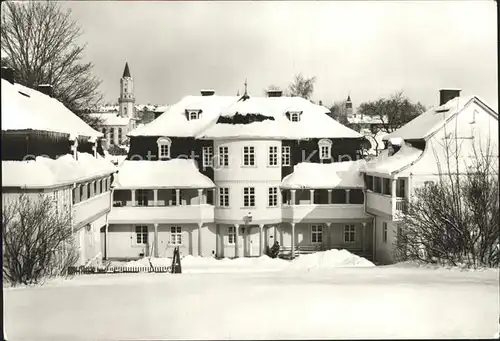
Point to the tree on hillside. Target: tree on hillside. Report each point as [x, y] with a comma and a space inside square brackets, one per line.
[39, 40]
[301, 87]
[38, 241]
[394, 112]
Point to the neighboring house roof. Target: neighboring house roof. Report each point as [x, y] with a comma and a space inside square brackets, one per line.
[28, 109]
[426, 124]
[108, 108]
[45, 172]
[334, 175]
[385, 164]
[175, 173]
[365, 119]
[314, 122]
[111, 119]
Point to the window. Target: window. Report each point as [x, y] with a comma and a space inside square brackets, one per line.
[249, 196]
[349, 233]
[142, 197]
[207, 156]
[386, 186]
[285, 156]
[273, 156]
[104, 132]
[295, 116]
[316, 234]
[164, 144]
[96, 192]
[400, 188]
[119, 135]
[141, 234]
[74, 193]
[325, 149]
[223, 197]
[273, 197]
[192, 115]
[248, 156]
[231, 235]
[369, 182]
[112, 135]
[224, 157]
[176, 235]
[384, 232]
[377, 184]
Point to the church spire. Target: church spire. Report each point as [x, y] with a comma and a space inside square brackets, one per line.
[245, 95]
[126, 72]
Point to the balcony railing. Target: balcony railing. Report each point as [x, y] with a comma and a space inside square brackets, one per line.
[330, 212]
[377, 203]
[162, 214]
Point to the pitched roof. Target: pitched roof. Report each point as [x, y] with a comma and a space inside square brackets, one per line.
[111, 119]
[175, 173]
[426, 124]
[28, 109]
[385, 164]
[126, 71]
[314, 122]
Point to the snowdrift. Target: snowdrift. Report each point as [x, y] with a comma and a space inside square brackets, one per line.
[329, 259]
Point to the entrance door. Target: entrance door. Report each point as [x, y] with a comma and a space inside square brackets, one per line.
[254, 242]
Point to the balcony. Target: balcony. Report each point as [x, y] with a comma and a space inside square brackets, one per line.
[383, 204]
[90, 209]
[186, 214]
[323, 213]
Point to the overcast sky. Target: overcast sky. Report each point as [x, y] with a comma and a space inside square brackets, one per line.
[367, 49]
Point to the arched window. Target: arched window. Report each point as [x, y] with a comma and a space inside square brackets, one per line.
[164, 144]
[325, 149]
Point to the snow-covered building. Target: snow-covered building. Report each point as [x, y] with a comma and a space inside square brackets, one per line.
[228, 176]
[417, 155]
[47, 149]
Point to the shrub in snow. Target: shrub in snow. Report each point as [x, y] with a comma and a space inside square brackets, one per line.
[116, 150]
[37, 240]
[274, 250]
[454, 221]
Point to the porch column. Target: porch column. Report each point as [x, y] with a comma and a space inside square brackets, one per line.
[293, 240]
[276, 233]
[106, 239]
[329, 196]
[236, 241]
[363, 240]
[200, 225]
[331, 232]
[155, 197]
[156, 253]
[328, 236]
[393, 188]
[292, 192]
[311, 197]
[218, 252]
[261, 239]
[133, 197]
[347, 196]
[177, 197]
[200, 197]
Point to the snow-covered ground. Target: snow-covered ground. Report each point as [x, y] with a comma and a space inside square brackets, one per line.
[326, 295]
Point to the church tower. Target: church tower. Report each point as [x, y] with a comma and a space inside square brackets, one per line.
[348, 106]
[127, 99]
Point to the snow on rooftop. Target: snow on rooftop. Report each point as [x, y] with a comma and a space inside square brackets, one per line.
[314, 121]
[45, 172]
[386, 164]
[175, 173]
[364, 119]
[431, 120]
[111, 119]
[28, 109]
[316, 175]
[173, 122]
[396, 141]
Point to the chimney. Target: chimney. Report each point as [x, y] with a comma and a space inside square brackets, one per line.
[446, 95]
[45, 89]
[207, 92]
[8, 74]
[274, 93]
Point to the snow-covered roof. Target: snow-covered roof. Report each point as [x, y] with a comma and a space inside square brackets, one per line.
[28, 109]
[364, 119]
[175, 173]
[108, 108]
[44, 172]
[314, 122]
[316, 175]
[385, 164]
[161, 108]
[173, 121]
[111, 119]
[432, 120]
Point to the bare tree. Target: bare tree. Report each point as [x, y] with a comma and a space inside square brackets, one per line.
[455, 220]
[38, 241]
[394, 112]
[338, 112]
[40, 42]
[301, 86]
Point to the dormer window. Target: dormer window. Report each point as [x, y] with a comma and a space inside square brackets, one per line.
[294, 116]
[164, 144]
[325, 149]
[193, 114]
